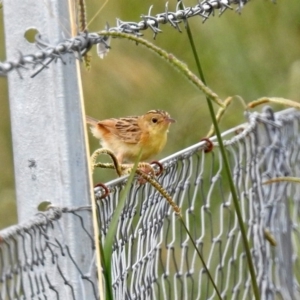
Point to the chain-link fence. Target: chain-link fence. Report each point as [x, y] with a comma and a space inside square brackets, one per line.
[153, 257]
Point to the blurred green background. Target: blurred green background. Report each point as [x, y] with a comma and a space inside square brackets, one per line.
[252, 54]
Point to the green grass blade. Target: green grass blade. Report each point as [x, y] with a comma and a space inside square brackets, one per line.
[228, 171]
[110, 237]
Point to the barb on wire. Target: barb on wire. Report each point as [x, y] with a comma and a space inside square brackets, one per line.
[83, 42]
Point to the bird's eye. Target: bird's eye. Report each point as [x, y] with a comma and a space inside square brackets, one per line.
[154, 120]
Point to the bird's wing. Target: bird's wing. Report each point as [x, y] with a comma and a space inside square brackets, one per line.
[126, 129]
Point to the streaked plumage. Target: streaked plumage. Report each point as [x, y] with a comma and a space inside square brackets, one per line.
[126, 136]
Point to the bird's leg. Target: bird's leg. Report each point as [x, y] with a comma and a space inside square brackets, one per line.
[122, 169]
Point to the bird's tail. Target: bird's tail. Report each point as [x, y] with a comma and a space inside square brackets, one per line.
[91, 120]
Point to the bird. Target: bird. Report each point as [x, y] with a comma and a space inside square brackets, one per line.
[125, 137]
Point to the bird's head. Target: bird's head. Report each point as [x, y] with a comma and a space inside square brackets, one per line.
[157, 121]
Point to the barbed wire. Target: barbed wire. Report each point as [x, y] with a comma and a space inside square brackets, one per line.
[83, 42]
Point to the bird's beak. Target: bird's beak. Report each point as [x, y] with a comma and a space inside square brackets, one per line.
[170, 120]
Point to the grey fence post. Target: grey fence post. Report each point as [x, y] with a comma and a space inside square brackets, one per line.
[49, 140]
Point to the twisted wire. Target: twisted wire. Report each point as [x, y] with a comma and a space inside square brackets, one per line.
[42, 218]
[82, 43]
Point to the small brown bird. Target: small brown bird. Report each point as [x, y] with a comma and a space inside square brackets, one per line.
[126, 136]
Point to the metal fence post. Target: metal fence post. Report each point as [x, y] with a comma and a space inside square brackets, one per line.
[49, 140]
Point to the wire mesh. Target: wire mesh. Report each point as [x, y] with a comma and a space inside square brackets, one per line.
[34, 257]
[152, 256]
